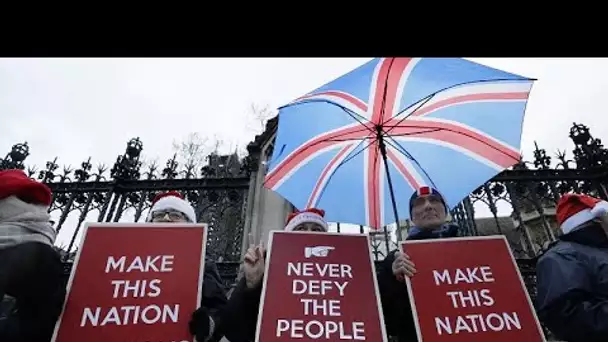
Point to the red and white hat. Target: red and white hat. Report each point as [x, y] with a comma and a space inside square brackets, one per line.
[310, 215]
[16, 183]
[575, 209]
[427, 191]
[172, 200]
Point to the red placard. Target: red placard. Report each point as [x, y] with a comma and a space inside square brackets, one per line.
[134, 282]
[319, 287]
[469, 289]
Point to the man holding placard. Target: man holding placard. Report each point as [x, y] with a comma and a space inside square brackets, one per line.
[142, 282]
[457, 294]
[171, 207]
[428, 212]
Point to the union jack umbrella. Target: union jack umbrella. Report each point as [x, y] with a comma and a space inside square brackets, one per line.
[360, 145]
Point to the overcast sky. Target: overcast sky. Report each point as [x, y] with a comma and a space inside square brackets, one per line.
[76, 108]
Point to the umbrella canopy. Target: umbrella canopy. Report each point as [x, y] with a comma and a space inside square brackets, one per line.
[360, 145]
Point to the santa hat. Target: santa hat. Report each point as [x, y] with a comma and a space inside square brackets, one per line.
[426, 191]
[573, 210]
[16, 183]
[310, 215]
[172, 200]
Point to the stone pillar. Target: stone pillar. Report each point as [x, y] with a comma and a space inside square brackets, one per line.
[266, 210]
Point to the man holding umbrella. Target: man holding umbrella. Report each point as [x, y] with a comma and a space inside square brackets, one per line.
[428, 212]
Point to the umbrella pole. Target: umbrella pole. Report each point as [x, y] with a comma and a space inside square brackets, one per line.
[390, 189]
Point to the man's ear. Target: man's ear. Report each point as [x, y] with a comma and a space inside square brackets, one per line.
[448, 217]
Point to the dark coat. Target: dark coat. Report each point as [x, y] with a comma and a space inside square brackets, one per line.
[31, 273]
[395, 300]
[572, 286]
[214, 292]
[240, 316]
[239, 321]
[213, 303]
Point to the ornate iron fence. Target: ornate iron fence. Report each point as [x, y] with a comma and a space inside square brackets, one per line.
[531, 190]
[527, 193]
[217, 190]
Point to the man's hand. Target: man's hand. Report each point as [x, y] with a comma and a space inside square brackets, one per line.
[253, 265]
[403, 266]
[200, 324]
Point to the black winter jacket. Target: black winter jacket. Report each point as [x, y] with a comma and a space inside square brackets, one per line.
[31, 273]
[213, 303]
[572, 285]
[214, 292]
[240, 318]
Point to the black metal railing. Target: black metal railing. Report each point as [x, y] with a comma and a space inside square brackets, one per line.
[518, 203]
[217, 190]
[531, 189]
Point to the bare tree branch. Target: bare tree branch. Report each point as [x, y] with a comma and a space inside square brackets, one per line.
[194, 149]
[259, 115]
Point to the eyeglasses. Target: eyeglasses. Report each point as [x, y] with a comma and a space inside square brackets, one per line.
[173, 215]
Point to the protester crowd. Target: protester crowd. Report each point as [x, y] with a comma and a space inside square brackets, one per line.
[572, 298]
